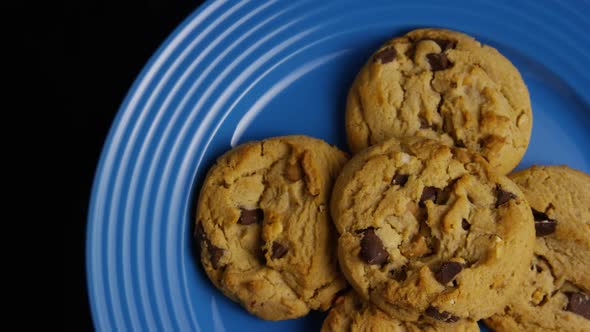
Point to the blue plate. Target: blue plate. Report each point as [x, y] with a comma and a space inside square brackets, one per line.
[242, 70]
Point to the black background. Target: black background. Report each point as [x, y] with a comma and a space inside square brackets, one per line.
[89, 55]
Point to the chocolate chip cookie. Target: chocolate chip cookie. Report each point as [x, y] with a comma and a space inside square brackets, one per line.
[446, 85]
[263, 226]
[556, 292]
[429, 232]
[350, 313]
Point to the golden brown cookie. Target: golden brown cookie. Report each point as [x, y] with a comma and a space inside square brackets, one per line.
[445, 85]
[265, 234]
[556, 292]
[351, 314]
[429, 232]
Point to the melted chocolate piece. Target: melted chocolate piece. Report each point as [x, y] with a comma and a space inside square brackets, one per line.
[278, 250]
[249, 217]
[372, 250]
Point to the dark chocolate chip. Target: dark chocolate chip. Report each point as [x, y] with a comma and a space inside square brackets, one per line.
[459, 143]
[249, 217]
[428, 194]
[448, 271]
[545, 227]
[278, 250]
[538, 268]
[503, 196]
[399, 274]
[543, 224]
[465, 224]
[372, 250]
[200, 233]
[445, 44]
[386, 55]
[215, 254]
[579, 303]
[444, 316]
[439, 61]
[400, 179]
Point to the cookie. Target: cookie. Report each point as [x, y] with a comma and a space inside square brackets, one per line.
[430, 232]
[445, 85]
[556, 293]
[263, 226]
[350, 314]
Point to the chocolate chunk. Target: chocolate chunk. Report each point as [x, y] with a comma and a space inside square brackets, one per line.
[445, 44]
[386, 55]
[503, 196]
[215, 254]
[278, 250]
[372, 250]
[444, 316]
[399, 274]
[249, 217]
[439, 61]
[428, 194]
[448, 271]
[459, 143]
[400, 179]
[579, 303]
[543, 224]
[545, 227]
[200, 233]
[465, 224]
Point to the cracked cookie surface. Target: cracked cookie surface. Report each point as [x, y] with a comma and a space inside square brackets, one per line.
[556, 292]
[351, 314]
[263, 226]
[446, 85]
[429, 232]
